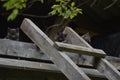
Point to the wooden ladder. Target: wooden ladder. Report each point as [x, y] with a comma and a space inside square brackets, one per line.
[57, 53]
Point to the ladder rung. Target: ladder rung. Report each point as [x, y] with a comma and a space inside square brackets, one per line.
[79, 49]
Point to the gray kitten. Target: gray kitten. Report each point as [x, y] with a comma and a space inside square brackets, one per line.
[86, 37]
[13, 34]
[60, 37]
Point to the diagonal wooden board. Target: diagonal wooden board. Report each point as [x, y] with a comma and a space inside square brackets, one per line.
[104, 66]
[62, 61]
[73, 38]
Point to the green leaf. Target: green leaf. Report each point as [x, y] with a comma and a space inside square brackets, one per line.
[71, 16]
[42, 1]
[53, 12]
[13, 15]
[65, 8]
[72, 4]
[59, 0]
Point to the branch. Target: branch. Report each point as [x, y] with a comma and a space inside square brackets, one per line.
[93, 3]
[110, 5]
[35, 16]
[30, 3]
[83, 3]
[30, 15]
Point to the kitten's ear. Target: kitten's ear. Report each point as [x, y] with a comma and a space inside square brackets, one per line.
[86, 34]
[86, 37]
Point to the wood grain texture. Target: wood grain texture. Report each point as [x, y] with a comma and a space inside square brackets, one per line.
[79, 49]
[10, 48]
[75, 39]
[39, 66]
[28, 51]
[62, 61]
[108, 70]
[27, 65]
[104, 66]
[115, 61]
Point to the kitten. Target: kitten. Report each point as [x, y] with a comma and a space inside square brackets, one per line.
[60, 37]
[13, 34]
[86, 37]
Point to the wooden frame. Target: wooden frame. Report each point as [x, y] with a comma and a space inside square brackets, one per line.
[39, 66]
[28, 51]
[65, 64]
[104, 66]
[62, 61]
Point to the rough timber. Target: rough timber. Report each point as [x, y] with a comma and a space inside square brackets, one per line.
[61, 60]
[19, 55]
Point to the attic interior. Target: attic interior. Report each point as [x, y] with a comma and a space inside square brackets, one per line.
[100, 18]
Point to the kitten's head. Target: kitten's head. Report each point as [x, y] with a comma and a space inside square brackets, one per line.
[86, 37]
[13, 31]
[13, 34]
[60, 37]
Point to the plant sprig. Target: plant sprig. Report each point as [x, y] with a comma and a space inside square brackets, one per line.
[65, 8]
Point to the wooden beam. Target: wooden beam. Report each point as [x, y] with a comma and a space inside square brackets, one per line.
[108, 70]
[27, 65]
[62, 61]
[17, 49]
[79, 49]
[39, 66]
[104, 66]
[10, 48]
[115, 61]
[74, 38]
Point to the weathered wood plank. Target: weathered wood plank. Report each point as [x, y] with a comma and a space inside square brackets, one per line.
[39, 66]
[62, 61]
[29, 51]
[24, 50]
[108, 70]
[104, 66]
[21, 50]
[74, 38]
[27, 65]
[115, 61]
[79, 49]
